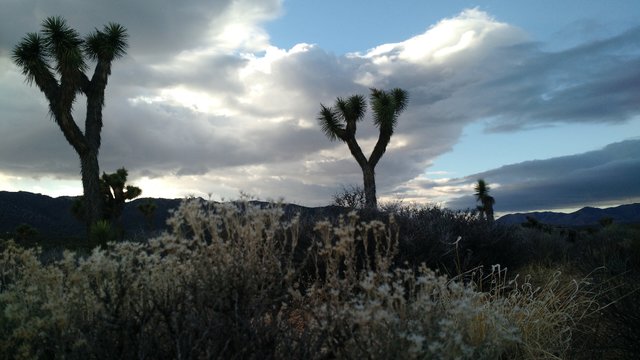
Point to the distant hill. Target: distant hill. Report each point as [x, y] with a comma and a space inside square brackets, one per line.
[583, 217]
[52, 216]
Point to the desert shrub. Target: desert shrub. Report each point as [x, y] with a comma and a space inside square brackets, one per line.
[615, 252]
[615, 247]
[452, 241]
[541, 247]
[202, 289]
[351, 197]
[225, 282]
[25, 232]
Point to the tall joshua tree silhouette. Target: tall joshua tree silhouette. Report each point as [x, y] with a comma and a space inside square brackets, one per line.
[339, 122]
[56, 60]
[486, 200]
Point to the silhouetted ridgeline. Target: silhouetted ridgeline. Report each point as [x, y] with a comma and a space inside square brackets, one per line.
[583, 217]
[53, 216]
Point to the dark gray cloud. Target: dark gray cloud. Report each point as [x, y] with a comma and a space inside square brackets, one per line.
[593, 82]
[607, 176]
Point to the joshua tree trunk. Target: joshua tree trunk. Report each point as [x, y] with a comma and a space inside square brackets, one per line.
[91, 186]
[368, 174]
[488, 209]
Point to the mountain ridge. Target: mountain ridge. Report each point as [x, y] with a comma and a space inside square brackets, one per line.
[53, 217]
[588, 215]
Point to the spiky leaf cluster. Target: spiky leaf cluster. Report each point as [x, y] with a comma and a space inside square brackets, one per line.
[386, 106]
[339, 121]
[116, 192]
[61, 49]
[108, 44]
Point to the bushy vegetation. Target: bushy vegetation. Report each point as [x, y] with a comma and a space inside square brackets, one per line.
[237, 281]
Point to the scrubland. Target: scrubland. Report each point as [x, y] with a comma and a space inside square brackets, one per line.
[237, 280]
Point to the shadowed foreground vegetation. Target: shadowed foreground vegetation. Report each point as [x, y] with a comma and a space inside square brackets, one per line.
[239, 281]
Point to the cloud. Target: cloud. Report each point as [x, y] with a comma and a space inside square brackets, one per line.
[601, 177]
[204, 102]
[156, 27]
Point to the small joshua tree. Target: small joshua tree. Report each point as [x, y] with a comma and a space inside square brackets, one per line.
[486, 200]
[148, 209]
[339, 122]
[116, 193]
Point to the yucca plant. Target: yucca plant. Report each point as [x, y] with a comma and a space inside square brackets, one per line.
[55, 60]
[340, 123]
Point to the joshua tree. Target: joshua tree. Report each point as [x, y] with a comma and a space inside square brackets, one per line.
[56, 60]
[486, 200]
[148, 209]
[339, 122]
[115, 193]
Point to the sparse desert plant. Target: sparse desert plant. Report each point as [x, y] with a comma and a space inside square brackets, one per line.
[376, 309]
[430, 234]
[351, 197]
[615, 251]
[102, 232]
[225, 276]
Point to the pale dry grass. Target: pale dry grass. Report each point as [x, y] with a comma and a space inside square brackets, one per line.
[224, 282]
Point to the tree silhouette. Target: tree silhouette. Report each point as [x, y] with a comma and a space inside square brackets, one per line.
[486, 200]
[339, 122]
[115, 193]
[351, 197]
[56, 60]
[148, 209]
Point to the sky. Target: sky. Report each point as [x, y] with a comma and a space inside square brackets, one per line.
[214, 98]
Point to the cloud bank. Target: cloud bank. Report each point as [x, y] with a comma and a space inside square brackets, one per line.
[203, 103]
[601, 177]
